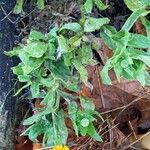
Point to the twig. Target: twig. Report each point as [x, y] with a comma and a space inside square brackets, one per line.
[136, 141]
[6, 15]
[109, 129]
[110, 132]
[100, 87]
[46, 148]
[124, 107]
[132, 129]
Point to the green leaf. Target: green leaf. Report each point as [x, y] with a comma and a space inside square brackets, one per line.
[147, 78]
[36, 49]
[88, 6]
[118, 71]
[18, 6]
[24, 57]
[51, 51]
[146, 24]
[121, 39]
[36, 36]
[59, 70]
[32, 64]
[84, 122]
[87, 55]
[124, 63]
[129, 73]
[33, 119]
[47, 82]
[136, 4]
[141, 55]
[34, 89]
[87, 103]
[83, 130]
[14, 52]
[82, 71]
[139, 41]
[24, 87]
[133, 17]
[92, 132]
[104, 73]
[107, 34]
[60, 132]
[72, 85]
[141, 78]
[35, 63]
[75, 41]
[66, 96]
[67, 58]
[73, 26]
[72, 110]
[108, 40]
[34, 132]
[53, 32]
[62, 46]
[144, 58]
[40, 4]
[92, 24]
[23, 78]
[26, 69]
[18, 69]
[49, 99]
[100, 5]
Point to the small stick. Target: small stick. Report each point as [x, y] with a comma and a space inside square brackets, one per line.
[100, 87]
[132, 129]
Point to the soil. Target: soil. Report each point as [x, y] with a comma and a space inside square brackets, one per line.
[125, 105]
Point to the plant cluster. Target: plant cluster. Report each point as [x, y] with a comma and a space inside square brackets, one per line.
[54, 63]
[19, 5]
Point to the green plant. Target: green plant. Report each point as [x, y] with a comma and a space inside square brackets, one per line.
[19, 5]
[128, 60]
[88, 5]
[50, 64]
[56, 61]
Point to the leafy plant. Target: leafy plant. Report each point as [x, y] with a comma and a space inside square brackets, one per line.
[128, 60]
[88, 5]
[54, 63]
[50, 64]
[135, 5]
[19, 5]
